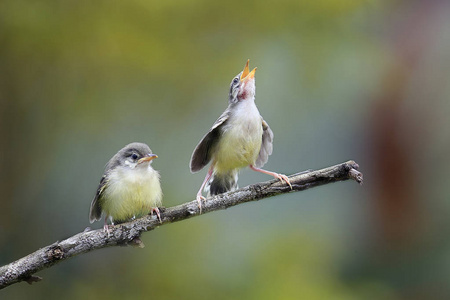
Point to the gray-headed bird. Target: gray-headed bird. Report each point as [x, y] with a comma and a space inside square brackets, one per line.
[129, 187]
[239, 138]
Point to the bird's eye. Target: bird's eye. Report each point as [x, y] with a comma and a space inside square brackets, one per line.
[134, 156]
[235, 80]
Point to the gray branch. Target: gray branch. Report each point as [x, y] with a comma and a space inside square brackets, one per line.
[129, 233]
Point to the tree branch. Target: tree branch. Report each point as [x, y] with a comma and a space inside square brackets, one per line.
[129, 233]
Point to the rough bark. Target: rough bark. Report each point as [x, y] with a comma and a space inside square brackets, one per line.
[129, 233]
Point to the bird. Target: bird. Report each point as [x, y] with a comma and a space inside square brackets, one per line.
[239, 138]
[129, 187]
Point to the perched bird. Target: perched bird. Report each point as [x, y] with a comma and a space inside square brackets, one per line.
[239, 138]
[129, 187]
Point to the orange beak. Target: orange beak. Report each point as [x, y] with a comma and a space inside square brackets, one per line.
[246, 74]
[147, 158]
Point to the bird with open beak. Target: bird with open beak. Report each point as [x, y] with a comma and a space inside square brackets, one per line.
[239, 138]
[129, 187]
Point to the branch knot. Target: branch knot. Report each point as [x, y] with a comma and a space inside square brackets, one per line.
[55, 253]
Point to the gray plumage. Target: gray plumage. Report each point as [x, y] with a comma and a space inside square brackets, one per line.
[130, 153]
[205, 148]
[241, 110]
[266, 145]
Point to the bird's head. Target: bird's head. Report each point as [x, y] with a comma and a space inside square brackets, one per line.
[134, 155]
[242, 86]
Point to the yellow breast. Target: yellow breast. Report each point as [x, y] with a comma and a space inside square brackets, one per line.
[131, 192]
[241, 141]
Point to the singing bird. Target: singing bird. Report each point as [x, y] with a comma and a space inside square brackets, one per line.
[129, 188]
[239, 138]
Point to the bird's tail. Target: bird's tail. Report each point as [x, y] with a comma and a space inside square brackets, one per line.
[222, 182]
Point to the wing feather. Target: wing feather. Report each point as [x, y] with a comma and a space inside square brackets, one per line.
[202, 153]
[95, 212]
[266, 145]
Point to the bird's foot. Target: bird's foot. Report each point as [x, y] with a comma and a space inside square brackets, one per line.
[279, 176]
[106, 228]
[200, 198]
[284, 178]
[158, 215]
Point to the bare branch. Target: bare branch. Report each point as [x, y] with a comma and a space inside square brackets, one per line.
[129, 233]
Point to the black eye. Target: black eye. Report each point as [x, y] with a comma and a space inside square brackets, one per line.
[134, 156]
[235, 80]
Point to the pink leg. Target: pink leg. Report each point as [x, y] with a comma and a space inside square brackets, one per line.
[199, 194]
[156, 210]
[281, 177]
[106, 226]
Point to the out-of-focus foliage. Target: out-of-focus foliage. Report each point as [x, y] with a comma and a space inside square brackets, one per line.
[336, 80]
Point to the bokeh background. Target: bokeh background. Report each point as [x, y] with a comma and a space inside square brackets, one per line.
[336, 80]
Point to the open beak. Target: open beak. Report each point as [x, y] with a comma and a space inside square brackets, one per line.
[246, 74]
[147, 158]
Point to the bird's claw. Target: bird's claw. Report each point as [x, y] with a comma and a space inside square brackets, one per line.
[106, 228]
[284, 178]
[158, 215]
[200, 198]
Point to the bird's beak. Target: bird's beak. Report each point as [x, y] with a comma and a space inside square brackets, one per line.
[246, 74]
[147, 158]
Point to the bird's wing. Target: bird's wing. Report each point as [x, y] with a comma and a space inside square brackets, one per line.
[266, 145]
[96, 211]
[202, 153]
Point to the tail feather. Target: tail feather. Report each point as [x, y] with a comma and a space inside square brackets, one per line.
[221, 183]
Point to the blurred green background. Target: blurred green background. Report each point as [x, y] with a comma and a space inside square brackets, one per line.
[336, 80]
